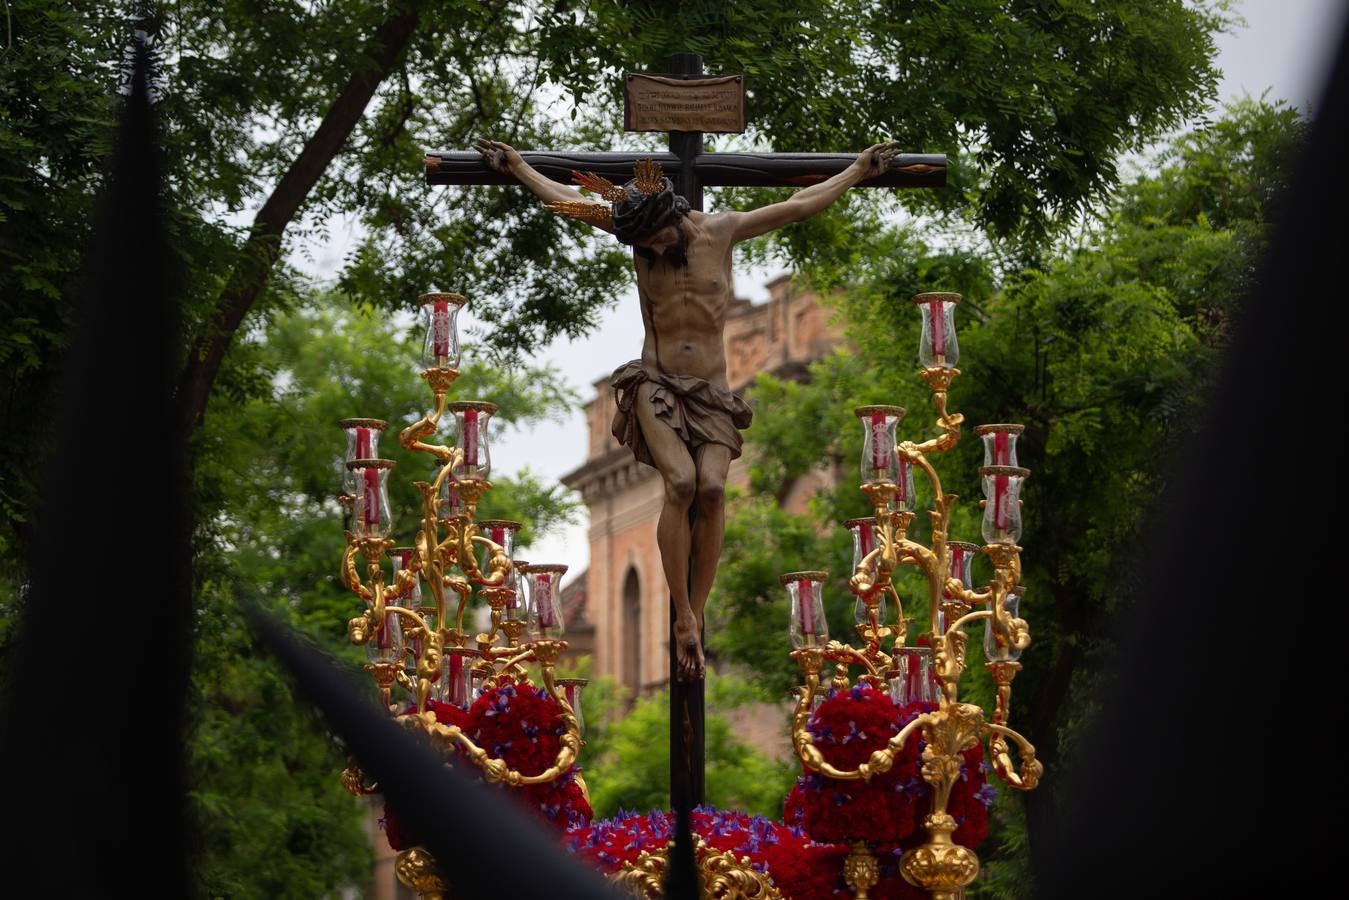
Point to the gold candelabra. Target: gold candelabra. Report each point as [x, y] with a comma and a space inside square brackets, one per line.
[882, 544]
[426, 650]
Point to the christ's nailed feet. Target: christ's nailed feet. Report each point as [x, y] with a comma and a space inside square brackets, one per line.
[689, 650]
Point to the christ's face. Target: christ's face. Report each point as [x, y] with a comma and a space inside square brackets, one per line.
[661, 242]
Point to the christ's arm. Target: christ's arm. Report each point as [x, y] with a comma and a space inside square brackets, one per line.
[809, 201]
[506, 159]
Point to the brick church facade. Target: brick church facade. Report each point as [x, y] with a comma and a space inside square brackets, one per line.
[618, 610]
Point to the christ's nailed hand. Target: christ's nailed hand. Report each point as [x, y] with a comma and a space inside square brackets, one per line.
[876, 158]
[499, 157]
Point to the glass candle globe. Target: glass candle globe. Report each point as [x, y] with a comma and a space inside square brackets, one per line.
[808, 626]
[456, 680]
[916, 681]
[1002, 506]
[450, 505]
[441, 347]
[864, 538]
[999, 443]
[470, 436]
[387, 646]
[545, 599]
[517, 605]
[362, 443]
[571, 692]
[880, 462]
[937, 347]
[502, 533]
[370, 506]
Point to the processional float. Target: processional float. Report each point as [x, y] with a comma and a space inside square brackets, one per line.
[881, 809]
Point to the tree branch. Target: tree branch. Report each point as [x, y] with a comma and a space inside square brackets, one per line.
[263, 246]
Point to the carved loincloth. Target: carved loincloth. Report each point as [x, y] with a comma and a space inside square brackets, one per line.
[698, 411]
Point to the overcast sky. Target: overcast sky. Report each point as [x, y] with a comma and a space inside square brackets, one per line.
[1282, 49]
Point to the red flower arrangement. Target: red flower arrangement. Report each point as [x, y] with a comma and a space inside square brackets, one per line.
[800, 868]
[522, 725]
[889, 809]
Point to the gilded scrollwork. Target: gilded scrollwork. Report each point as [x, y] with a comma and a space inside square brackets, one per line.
[861, 870]
[942, 870]
[416, 868]
[723, 876]
[353, 779]
[1031, 769]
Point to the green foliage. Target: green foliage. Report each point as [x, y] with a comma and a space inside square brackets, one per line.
[1034, 101]
[55, 111]
[1104, 353]
[627, 758]
[270, 816]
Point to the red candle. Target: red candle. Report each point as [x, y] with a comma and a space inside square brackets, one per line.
[1002, 455]
[903, 483]
[370, 480]
[440, 325]
[880, 450]
[914, 687]
[363, 444]
[805, 593]
[457, 686]
[543, 599]
[866, 538]
[957, 555]
[386, 633]
[1000, 510]
[938, 314]
[470, 437]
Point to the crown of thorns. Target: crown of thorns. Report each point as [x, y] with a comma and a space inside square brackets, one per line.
[648, 178]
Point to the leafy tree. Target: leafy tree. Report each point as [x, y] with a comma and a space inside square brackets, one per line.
[288, 114]
[1104, 353]
[1028, 97]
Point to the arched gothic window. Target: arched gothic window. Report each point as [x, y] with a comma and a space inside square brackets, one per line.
[631, 650]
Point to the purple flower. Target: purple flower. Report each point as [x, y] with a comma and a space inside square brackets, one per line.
[986, 794]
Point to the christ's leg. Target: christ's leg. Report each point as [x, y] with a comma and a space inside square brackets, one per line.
[672, 531]
[713, 462]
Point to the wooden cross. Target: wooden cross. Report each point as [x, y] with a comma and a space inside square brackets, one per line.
[689, 167]
[691, 170]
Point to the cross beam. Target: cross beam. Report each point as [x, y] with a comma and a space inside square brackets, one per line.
[908, 170]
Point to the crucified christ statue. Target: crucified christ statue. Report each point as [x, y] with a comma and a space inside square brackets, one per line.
[675, 408]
